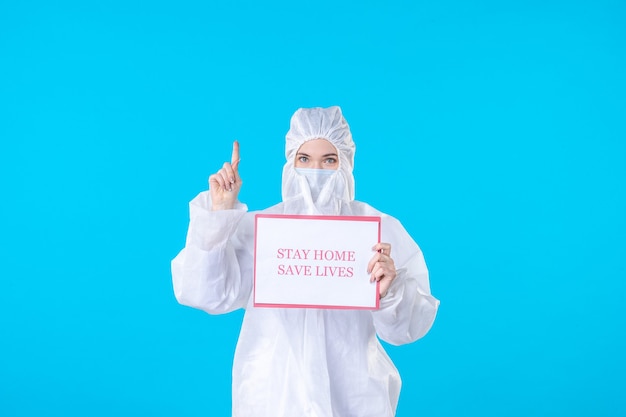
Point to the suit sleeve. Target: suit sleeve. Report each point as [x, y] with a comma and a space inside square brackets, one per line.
[209, 273]
[408, 310]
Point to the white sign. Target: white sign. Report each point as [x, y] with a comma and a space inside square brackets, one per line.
[314, 261]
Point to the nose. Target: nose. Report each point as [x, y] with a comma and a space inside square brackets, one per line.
[318, 165]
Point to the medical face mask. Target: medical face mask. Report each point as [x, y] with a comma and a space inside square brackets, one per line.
[316, 179]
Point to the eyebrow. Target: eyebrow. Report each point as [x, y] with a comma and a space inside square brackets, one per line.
[323, 156]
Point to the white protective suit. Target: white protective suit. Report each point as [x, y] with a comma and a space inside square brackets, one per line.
[292, 362]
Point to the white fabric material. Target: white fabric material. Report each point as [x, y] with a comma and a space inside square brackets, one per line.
[305, 362]
[316, 178]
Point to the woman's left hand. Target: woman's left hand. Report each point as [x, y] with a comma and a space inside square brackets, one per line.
[382, 268]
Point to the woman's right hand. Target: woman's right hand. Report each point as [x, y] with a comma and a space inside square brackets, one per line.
[226, 183]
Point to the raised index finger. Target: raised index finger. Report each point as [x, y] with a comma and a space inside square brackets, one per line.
[234, 159]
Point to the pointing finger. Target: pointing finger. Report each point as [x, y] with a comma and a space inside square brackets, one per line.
[234, 160]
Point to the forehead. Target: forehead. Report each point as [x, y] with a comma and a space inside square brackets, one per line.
[317, 147]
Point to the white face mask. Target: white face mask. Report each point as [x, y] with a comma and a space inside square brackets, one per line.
[316, 179]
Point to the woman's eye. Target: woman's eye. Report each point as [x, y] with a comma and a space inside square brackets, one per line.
[303, 159]
[331, 161]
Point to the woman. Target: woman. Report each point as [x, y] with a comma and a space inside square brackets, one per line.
[305, 362]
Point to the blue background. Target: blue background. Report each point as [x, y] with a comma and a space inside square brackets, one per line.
[495, 131]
